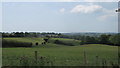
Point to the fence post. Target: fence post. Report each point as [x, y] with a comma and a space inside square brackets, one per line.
[103, 63]
[36, 55]
[85, 58]
[96, 60]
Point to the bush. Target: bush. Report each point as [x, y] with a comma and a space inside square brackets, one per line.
[36, 43]
[6, 43]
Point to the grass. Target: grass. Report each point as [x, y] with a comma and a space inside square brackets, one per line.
[66, 41]
[26, 39]
[60, 55]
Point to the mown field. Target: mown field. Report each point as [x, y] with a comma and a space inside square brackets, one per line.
[51, 54]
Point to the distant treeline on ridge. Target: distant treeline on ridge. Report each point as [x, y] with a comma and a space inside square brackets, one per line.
[90, 38]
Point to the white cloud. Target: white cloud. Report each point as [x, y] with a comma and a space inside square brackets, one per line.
[108, 15]
[62, 10]
[85, 8]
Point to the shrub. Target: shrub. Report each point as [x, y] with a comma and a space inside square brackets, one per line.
[36, 43]
[6, 43]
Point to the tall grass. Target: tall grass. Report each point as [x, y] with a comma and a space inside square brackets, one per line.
[52, 61]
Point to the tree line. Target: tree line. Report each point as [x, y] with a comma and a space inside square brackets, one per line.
[102, 39]
[28, 34]
[110, 39]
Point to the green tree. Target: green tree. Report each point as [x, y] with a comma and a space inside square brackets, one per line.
[104, 39]
[115, 39]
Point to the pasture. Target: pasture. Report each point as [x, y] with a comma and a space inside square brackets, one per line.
[51, 54]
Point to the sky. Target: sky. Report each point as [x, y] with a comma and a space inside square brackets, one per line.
[59, 0]
[60, 16]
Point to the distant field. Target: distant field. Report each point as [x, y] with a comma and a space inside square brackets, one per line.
[27, 39]
[60, 55]
[66, 41]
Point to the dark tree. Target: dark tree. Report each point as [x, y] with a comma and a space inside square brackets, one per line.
[115, 39]
[45, 39]
[104, 39]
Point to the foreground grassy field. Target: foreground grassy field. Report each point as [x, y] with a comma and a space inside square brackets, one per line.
[60, 55]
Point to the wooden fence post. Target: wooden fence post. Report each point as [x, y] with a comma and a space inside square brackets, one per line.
[96, 60]
[36, 54]
[85, 58]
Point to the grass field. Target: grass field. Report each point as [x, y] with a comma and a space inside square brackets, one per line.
[27, 39]
[59, 55]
